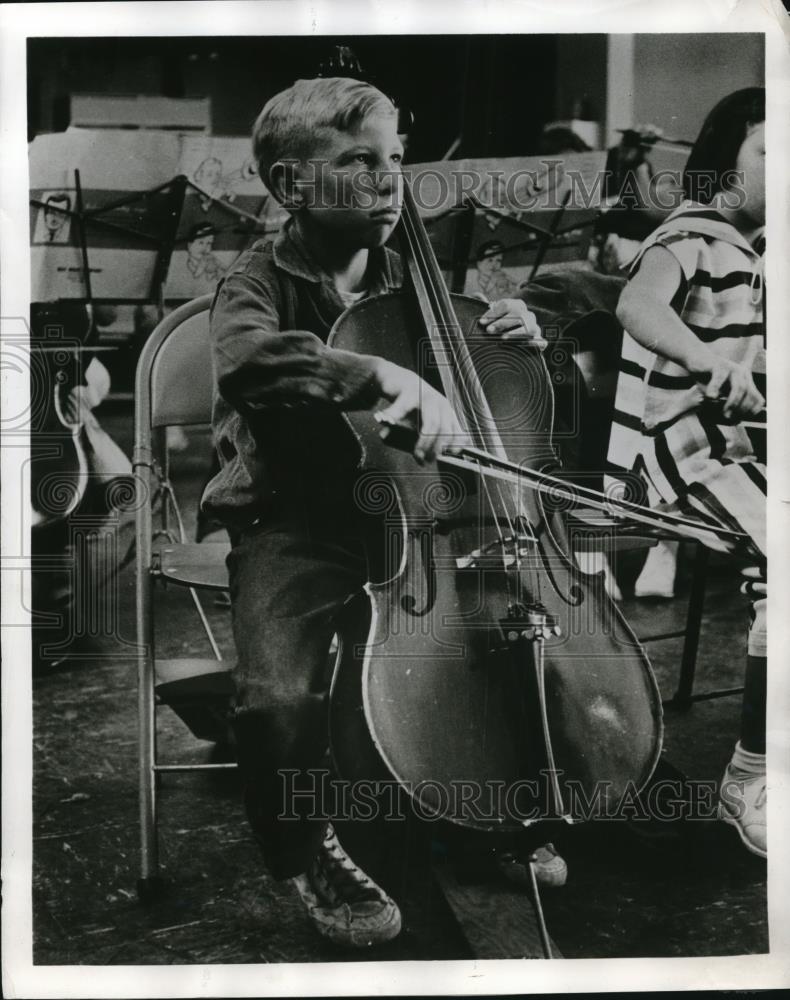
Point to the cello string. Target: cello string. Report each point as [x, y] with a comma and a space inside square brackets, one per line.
[502, 540]
[445, 323]
[441, 305]
[452, 341]
[442, 308]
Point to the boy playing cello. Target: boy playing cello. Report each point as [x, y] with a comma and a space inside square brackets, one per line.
[329, 151]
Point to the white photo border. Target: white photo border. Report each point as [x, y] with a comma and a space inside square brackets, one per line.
[293, 17]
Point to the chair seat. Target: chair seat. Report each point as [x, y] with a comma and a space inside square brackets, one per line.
[593, 531]
[193, 564]
[197, 674]
[612, 543]
[200, 692]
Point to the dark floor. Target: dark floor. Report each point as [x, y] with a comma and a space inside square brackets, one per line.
[694, 891]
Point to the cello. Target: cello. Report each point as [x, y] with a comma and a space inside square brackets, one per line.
[59, 471]
[483, 672]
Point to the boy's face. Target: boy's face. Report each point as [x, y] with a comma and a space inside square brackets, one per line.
[351, 185]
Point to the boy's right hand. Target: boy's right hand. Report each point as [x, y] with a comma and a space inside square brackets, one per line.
[411, 397]
[742, 396]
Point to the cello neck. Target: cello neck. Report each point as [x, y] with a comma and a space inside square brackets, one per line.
[459, 379]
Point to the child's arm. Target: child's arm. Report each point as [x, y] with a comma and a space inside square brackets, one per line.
[259, 365]
[645, 312]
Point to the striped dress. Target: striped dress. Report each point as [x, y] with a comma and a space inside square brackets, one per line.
[679, 451]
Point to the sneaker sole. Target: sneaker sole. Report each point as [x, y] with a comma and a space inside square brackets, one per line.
[547, 878]
[728, 818]
[348, 938]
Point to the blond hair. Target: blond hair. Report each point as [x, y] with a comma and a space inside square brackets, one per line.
[286, 127]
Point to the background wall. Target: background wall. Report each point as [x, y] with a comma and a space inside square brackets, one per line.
[497, 90]
[581, 76]
[678, 78]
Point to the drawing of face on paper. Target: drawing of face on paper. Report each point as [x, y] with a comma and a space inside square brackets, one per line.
[493, 281]
[209, 178]
[217, 183]
[53, 224]
[201, 262]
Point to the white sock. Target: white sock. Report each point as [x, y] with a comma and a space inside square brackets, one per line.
[746, 762]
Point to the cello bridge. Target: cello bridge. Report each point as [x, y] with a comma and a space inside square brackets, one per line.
[502, 553]
[529, 621]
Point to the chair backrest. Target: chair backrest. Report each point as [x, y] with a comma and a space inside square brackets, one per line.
[174, 374]
[181, 376]
[173, 386]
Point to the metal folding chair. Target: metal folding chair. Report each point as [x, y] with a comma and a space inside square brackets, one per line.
[173, 388]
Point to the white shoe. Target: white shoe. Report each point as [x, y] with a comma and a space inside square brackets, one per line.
[594, 563]
[657, 578]
[177, 439]
[549, 867]
[742, 805]
[343, 903]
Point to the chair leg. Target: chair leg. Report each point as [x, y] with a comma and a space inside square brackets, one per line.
[150, 884]
[206, 625]
[683, 696]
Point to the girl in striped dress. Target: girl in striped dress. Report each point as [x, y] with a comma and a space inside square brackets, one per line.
[690, 404]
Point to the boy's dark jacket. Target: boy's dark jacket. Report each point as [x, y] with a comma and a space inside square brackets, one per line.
[279, 391]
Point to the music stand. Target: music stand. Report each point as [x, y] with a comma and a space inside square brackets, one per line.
[546, 235]
[172, 192]
[242, 222]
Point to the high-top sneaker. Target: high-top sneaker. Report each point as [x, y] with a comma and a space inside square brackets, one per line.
[343, 903]
[742, 804]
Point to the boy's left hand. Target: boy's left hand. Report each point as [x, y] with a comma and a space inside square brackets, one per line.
[509, 319]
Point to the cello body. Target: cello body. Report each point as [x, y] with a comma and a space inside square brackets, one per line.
[438, 685]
